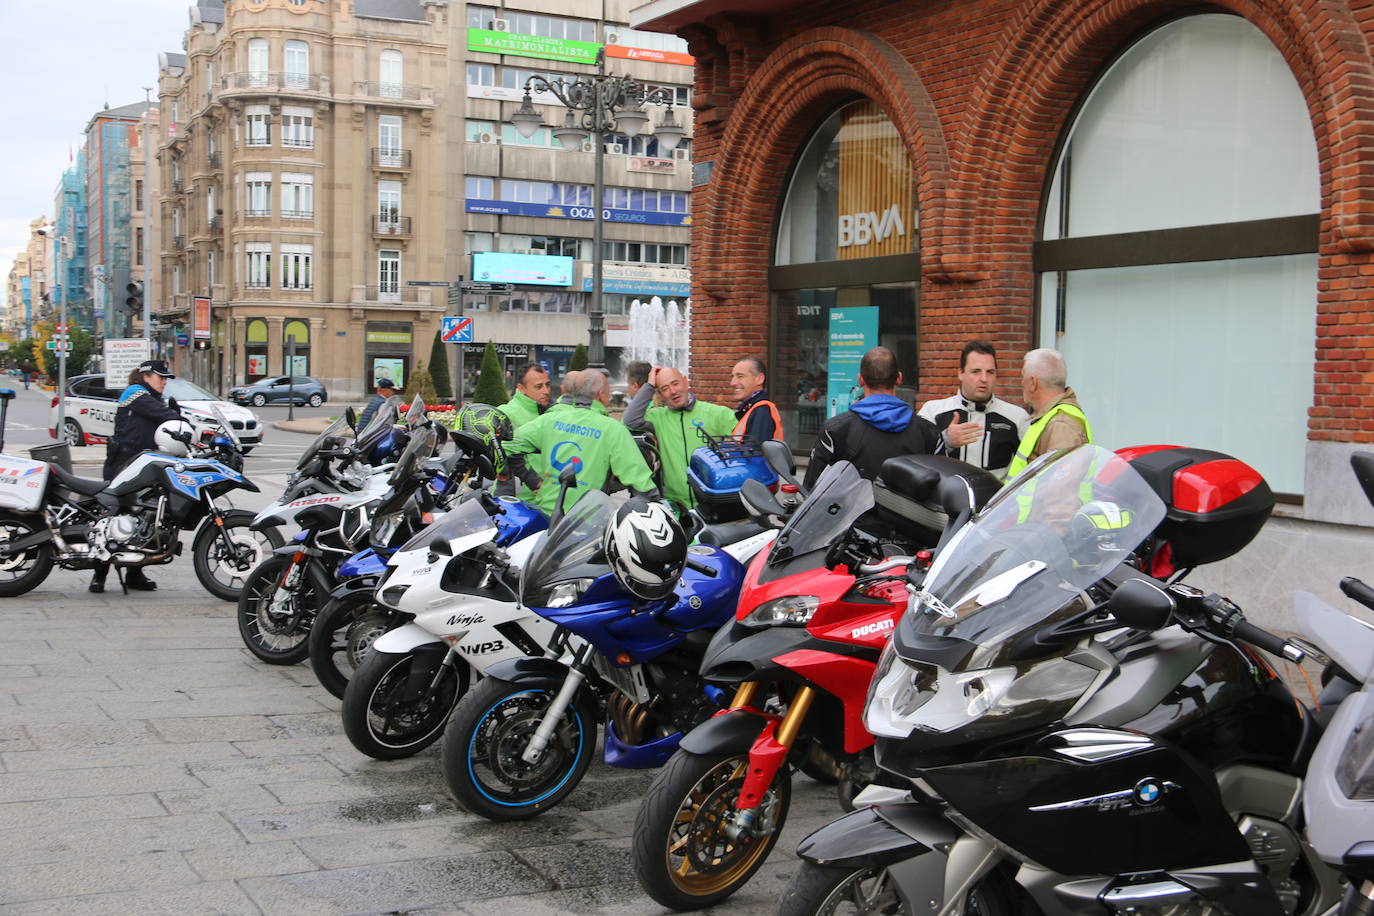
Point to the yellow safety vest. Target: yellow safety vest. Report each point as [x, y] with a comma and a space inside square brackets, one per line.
[1027, 446]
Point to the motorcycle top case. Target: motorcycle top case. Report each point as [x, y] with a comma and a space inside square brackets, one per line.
[716, 472]
[22, 483]
[1216, 504]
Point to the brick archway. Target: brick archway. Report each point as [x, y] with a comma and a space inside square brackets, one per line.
[783, 102]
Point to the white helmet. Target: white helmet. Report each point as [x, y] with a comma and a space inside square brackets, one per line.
[170, 435]
[646, 548]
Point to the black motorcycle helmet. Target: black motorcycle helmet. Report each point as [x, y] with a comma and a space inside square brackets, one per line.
[646, 548]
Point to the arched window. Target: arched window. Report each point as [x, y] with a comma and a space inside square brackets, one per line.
[255, 350]
[299, 331]
[297, 61]
[1178, 253]
[258, 64]
[390, 74]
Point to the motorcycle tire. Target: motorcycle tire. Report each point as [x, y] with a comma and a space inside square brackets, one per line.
[224, 576]
[279, 637]
[488, 733]
[382, 721]
[341, 637]
[23, 572]
[679, 830]
[825, 890]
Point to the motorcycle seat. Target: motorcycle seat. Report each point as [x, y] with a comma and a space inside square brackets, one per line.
[729, 533]
[918, 477]
[83, 485]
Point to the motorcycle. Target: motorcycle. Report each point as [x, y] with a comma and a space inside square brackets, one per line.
[49, 516]
[813, 616]
[1073, 735]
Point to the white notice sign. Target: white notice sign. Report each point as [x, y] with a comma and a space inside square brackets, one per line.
[123, 356]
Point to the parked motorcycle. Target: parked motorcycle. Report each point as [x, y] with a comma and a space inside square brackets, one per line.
[1077, 737]
[49, 516]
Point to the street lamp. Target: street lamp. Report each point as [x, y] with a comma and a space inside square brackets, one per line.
[60, 242]
[596, 105]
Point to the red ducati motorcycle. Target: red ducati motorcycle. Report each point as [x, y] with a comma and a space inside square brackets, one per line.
[815, 612]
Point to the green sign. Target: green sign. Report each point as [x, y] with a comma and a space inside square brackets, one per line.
[574, 52]
[396, 337]
[853, 332]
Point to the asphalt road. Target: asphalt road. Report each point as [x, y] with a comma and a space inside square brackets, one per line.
[150, 764]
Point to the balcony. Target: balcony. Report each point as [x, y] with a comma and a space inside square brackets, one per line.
[259, 82]
[392, 159]
[391, 226]
[256, 214]
[392, 294]
[178, 242]
[298, 214]
[215, 224]
[394, 92]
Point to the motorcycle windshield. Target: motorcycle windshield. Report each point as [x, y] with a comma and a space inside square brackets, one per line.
[225, 425]
[1040, 542]
[415, 413]
[574, 541]
[382, 421]
[420, 446]
[332, 431]
[467, 518]
[840, 496]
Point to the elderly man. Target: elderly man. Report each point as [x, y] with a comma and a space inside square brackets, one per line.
[636, 376]
[532, 395]
[679, 426]
[1056, 419]
[756, 415]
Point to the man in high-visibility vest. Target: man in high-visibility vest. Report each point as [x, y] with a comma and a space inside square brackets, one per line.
[756, 413]
[1056, 419]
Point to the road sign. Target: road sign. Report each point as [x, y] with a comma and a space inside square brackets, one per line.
[457, 330]
[428, 283]
[488, 287]
[58, 346]
[122, 356]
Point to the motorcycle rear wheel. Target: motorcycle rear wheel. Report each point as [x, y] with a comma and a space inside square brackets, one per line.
[824, 890]
[384, 720]
[489, 731]
[23, 572]
[682, 857]
[342, 636]
[224, 572]
[278, 635]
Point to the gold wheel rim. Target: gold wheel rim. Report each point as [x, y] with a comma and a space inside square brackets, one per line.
[701, 810]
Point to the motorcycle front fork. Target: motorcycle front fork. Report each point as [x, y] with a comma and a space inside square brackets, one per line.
[577, 673]
[767, 756]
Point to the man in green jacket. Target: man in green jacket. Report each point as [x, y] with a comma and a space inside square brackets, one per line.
[569, 434]
[532, 393]
[678, 426]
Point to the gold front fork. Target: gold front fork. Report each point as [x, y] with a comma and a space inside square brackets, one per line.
[744, 696]
[796, 714]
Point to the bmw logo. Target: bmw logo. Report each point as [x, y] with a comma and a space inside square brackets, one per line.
[1147, 792]
[694, 602]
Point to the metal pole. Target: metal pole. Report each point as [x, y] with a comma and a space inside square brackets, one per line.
[291, 377]
[148, 223]
[62, 354]
[596, 333]
[458, 365]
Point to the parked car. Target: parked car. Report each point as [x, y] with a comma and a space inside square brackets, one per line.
[90, 411]
[300, 389]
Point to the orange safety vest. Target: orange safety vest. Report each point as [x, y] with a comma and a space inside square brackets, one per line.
[744, 420]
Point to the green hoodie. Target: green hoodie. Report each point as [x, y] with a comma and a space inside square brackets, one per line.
[595, 444]
[521, 409]
[679, 434]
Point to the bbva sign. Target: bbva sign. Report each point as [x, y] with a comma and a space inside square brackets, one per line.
[865, 228]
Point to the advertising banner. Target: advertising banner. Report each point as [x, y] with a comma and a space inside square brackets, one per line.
[657, 57]
[123, 356]
[530, 269]
[387, 367]
[574, 52]
[562, 211]
[200, 317]
[652, 166]
[853, 332]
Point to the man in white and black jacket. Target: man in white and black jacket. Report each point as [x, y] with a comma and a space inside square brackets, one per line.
[978, 426]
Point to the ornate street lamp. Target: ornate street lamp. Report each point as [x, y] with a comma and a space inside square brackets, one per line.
[597, 105]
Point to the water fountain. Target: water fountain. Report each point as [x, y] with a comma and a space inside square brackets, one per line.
[660, 335]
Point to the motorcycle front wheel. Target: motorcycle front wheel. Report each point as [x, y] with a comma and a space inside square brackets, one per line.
[490, 729]
[224, 568]
[824, 890]
[396, 703]
[24, 571]
[275, 620]
[342, 636]
[685, 855]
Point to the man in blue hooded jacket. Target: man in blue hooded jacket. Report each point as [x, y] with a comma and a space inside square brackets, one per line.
[878, 427]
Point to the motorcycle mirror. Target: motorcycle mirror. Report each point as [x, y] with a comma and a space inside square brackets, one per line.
[485, 467]
[442, 432]
[956, 496]
[442, 547]
[1141, 605]
[759, 502]
[351, 418]
[1363, 465]
[779, 457]
[568, 476]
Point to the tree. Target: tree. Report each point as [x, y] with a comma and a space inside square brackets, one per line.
[422, 383]
[491, 385]
[80, 354]
[579, 358]
[438, 367]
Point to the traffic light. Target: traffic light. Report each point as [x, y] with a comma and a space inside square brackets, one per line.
[133, 302]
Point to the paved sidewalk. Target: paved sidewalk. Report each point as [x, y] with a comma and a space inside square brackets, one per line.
[149, 764]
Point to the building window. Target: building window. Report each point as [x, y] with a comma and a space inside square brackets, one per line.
[388, 205]
[297, 333]
[255, 349]
[211, 210]
[297, 128]
[257, 62]
[481, 75]
[258, 265]
[210, 278]
[297, 70]
[138, 195]
[176, 279]
[480, 17]
[579, 249]
[627, 37]
[259, 203]
[389, 149]
[138, 245]
[389, 275]
[297, 196]
[295, 266]
[1196, 127]
[645, 253]
[478, 188]
[390, 74]
[258, 125]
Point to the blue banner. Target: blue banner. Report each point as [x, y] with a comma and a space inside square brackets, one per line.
[639, 287]
[853, 332]
[561, 211]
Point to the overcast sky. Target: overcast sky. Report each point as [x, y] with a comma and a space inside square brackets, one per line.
[63, 60]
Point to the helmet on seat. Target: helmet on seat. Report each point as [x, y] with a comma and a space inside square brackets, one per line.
[646, 548]
[174, 437]
[490, 425]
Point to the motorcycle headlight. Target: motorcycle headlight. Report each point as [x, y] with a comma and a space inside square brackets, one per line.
[791, 611]
[904, 698]
[565, 594]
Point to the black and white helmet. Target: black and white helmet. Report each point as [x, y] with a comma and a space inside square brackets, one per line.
[646, 548]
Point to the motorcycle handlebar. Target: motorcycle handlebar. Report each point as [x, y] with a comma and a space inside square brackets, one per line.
[1232, 623]
[1356, 589]
[869, 569]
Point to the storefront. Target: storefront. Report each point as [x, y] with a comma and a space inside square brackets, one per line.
[387, 349]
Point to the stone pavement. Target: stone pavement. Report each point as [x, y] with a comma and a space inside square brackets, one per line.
[150, 764]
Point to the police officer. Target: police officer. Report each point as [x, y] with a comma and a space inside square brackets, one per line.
[570, 434]
[140, 412]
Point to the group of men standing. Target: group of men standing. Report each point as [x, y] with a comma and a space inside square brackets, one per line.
[973, 425]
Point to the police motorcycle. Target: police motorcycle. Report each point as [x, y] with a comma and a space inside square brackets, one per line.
[49, 516]
[632, 607]
[1073, 734]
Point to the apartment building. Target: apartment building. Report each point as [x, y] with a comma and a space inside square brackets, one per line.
[28, 288]
[115, 194]
[301, 159]
[70, 266]
[19, 299]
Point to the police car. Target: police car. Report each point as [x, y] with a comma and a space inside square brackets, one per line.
[90, 411]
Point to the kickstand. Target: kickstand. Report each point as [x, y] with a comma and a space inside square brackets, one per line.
[119, 574]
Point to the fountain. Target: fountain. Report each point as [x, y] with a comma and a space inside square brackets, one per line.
[660, 335]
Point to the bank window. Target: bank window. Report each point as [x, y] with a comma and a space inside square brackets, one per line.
[298, 128]
[297, 195]
[258, 265]
[295, 266]
[259, 203]
[257, 121]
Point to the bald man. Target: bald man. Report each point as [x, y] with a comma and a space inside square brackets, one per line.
[678, 425]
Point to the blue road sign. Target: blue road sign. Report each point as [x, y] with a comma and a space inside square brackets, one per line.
[457, 330]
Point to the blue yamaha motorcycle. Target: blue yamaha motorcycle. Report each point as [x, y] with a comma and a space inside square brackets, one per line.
[522, 738]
